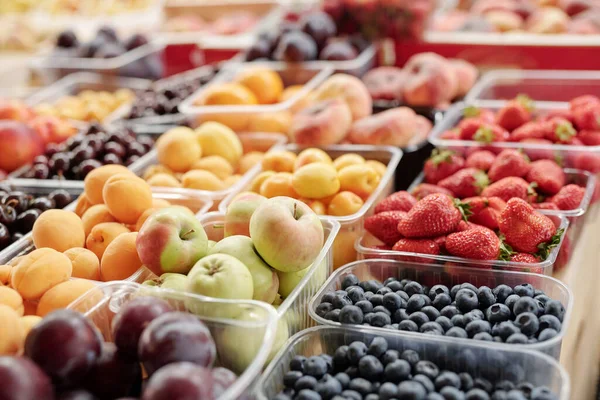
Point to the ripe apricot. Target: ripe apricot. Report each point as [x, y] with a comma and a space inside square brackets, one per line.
[348, 159]
[10, 297]
[120, 259]
[231, 180]
[102, 235]
[202, 180]
[156, 169]
[28, 322]
[316, 205]
[265, 83]
[160, 203]
[82, 205]
[279, 184]
[378, 166]
[259, 179]
[276, 122]
[249, 160]
[95, 215]
[39, 271]
[30, 307]
[300, 101]
[279, 161]
[86, 264]
[178, 149]
[217, 139]
[215, 164]
[59, 230]
[311, 155]
[63, 294]
[316, 180]
[5, 274]
[344, 203]
[127, 197]
[359, 179]
[12, 335]
[163, 180]
[95, 180]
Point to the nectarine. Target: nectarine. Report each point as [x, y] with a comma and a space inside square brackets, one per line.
[215, 164]
[95, 215]
[178, 149]
[202, 180]
[39, 271]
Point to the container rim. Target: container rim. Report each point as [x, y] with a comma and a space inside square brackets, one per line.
[511, 39]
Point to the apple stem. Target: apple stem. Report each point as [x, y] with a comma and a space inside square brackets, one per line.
[184, 236]
[295, 207]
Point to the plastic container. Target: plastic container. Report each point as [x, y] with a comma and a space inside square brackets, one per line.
[351, 225]
[433, 275]
[237, 116]
[496, 363]
[230, 334]
[250, 142]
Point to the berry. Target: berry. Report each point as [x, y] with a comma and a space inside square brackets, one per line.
[498, 313]
[467, 182]
[370, 367]
[384, 226]
[399, 201]
[548, 176]
[481, 159]
[509, 163]
[425, 189]
[351, 315]
[555, 308]
[411, 390]
[515, 113]
[569, 197]
[435, 215]
[442, 164]
[466, 300]
[480, 243]
[509, 188]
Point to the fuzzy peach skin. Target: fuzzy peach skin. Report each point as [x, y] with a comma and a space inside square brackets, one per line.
[395, 127]
[351, 89]
[385, 83]
[431, 80]
[466, 74]
[548, 20]
[324, 123]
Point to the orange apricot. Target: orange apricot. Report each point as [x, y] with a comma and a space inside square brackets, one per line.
[144, 217]
[127, 197]
[163, 180]
[102, 235]
[63, 294]
[344, 203]
[86, 264]
[5, 274]
[276, 122]
[156, 169]
[249, 160]
[82, 205]
[232, 180]
[95, 180]
[120, 259]
[59, 230]
[279, 184]
[160, 203]
[378, 166]
[202, 180]
[311, 155]
[39, 271]
[265, 83]
[12, 335]
[215, 164]
[259, 179]
[279, 161]
[95, 215]
[178, 149]
[28, 322]
[10, 297]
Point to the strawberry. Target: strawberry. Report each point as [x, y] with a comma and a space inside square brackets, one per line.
[569, 197]
[582, 101]
[479, 244]
[587, 117]
[526, 230]
[384, 226]
[548, 176]
[465, 226]
[589, 138]
[435, 215]
[559, 130]
[531, 130]
[425, 189]
[545, 205]
[524, 258]
[587, 162]
[491, 133]
[482, 114]
[515, 113]
[442, 164]
[509, 163]
[481, 159]
[422, 246]
[468, 126]
[537, 154]
[510, 187]
[485, 210]
[399, 201]
[441, 242]
[382, 247]
[452, 134]
[566, 114]
[467, 182]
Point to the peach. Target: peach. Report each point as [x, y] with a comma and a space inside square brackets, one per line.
[59, 230]
[10, 297]
[95, 180]
[202, 180]
[120, 259]
[82, 205]
[311, 155]
[39, 271]
[324, 123]
[232, 180]
[279, 184]
[504, 20]
[127, 197]
[86, 264]
[5, 274]
[156, 169]
[102, 235]
[548, 20]
[378, 166]
[466, 73]
[249, 160]
[63, 294]
[431, 80]
[259, 179]
[385, 83]
[28, 322]
[163, 180]
[215, 164]
[95, 215]
[316, 180]
[12, 335]
[395, 127]
[219, 140]
[160, 203]
[279, 161]
[277, 122]
[359, 179]
[348, 159]
[178, 149]
[344, 203]
[351, 89]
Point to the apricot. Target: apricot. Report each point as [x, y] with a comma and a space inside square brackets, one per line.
[39, 271]
[5, 274]
[120, 259]
[344, 203]
[348, 159]
[82, 205]
[143, 218]
[86, 264]
[12, 335]
[10, 297]
[232, 180]
[264, 83]
[163, 180]
[259, 179]
[219, 140]
[30, 307]
[279, 184]
[63, 294]
[202, 180]
[316, 180]
[316, 205]
[156, 169]
[102, 235]
[279, 161]
[160, 203]
[127, 197]
[311, 155]
[178, 149]
[95, 215]
[249, 160]
[215, 164]
[359, 179]
[95, 180]
[28, 322]
[227, 94]
[275, 122]
[378, 166]
[300, 101]
[59, 230]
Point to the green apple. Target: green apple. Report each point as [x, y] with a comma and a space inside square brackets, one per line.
[289, 280]
[264, 277]
[287, 234]
[211, 244]
[171, 240]
[222, 276]
[169, 281]
[239, 212]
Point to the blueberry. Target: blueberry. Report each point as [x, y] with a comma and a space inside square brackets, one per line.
[350, 280]
[368, 319]
[380, 319]
[511, 300]
[368, 295]
[351, 395]
[340, 358]
[458, 320]
[474, 315]
[538, 292]
[517, 338]
[365, 306]
[526, 388]
[372, 396]
[436, 290]
[383, 310]
[370, 286]
[328, 297]
[400, 315]
[505, 385]
[478, 326]
[413, 287]
[392, 301]
[384, 290]
[403, 295]
[390, 356]
[351, 315]
[542, 393]
[449, 311]
[329, 387]
[305, 382]
[466, 300]
[328, 360]
[343, 379]
[505, 330]
[315, 366]
[352, 372]
[370, 367]
[540, 307]
[415, 303]
[435, 396]
[499, 395]
[419, 318]
[525, 304]
[411, 390]
[515, 395]
[532, 340]
[441, 300]
[388, 391]
[376, 300]
[290, 378]
[356, 351]
[307, 394]
[528, 323]
[498, 339]
[341, 292]
[431, 312]
[452, 393]
[410, 356]
[378, 347]
[427, 368]
[361, 385]
[477, 394]
[542, 298]
[555, 307]
[502, 292]
[547, 334]
[333, 315]
[486, 296]
[457, 332]
[455, 290]
[394, 285]
[356, 294]
[484, 336]
[524, 289]
[447, 378]
[341, 300]
[390, 279]
[282, 396]
[323, 309]
[297, 363]
[408, 325]
[483, 384]
[466, 381]
[497, 313]
[431, 327]
[444, 322]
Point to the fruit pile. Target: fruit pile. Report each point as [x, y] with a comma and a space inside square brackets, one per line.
[19, 211]
[233, 23]
[311, 38]
[64, 354]
[427, 79]
[439, 224]
[106, 44]
[377, 371]
[75, 158]
[486, 181]
[517, 315]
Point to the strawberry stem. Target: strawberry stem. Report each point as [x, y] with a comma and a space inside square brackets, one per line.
[526, 102]
[484, 135]
[471, 111]
[506, 251]
[438, 157]
[481, 181]
[464, 208]
[546, 247]
[565, 131]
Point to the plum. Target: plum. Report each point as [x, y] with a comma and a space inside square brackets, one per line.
[22, 379]
[222, 379]
[320, 26]
[338, 50]
[181, 381]
[296, 47]
[261, 49]
[113, 375]
[76, 395]
[135, 41]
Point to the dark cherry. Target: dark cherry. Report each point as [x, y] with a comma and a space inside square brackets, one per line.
[5, 238]
[60, 197]
[42, 203]
[115, 148]
[7, 215]
[87, 166]
[111, 159]
[135, 41]
[94, 128]
[146, 141]
[131, 160]
[67, 40]
[52, 148]
[60, 162]
[261, 49]
[40, 160]
[82, 153]
[40, 171]
[18, 200]
[136, 149]
[25, 220]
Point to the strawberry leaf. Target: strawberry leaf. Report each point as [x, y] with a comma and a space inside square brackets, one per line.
[565, 131]
[464, 208]
[525, 156]
[531, 189]
[526, 102]
[471, 111]
[484, 135]
[546, 247]
[438, 157]
[559, 159]
[506, 251]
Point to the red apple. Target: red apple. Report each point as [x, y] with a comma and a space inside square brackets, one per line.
[14, 110]
[19, 145]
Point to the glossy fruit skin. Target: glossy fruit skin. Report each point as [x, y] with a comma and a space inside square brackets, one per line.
[509, 163]
[569, 197]
[399, 201]
[181, 381]
[508, 188]
[175, 337]
[467, 182]
[23, 380]
[384, 226]
[222, 380]
[319, 26]
[441, 165]
[432, 216]
[296, 47]
[548, 176]
[523, 227]
[485, 211]
[479, 244]
[65, 345]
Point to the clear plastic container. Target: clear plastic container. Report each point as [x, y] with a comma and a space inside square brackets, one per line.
[237, 116]
[494, 363]
[252, 141]
[434, 274]
[230, 334]
[351, 225]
